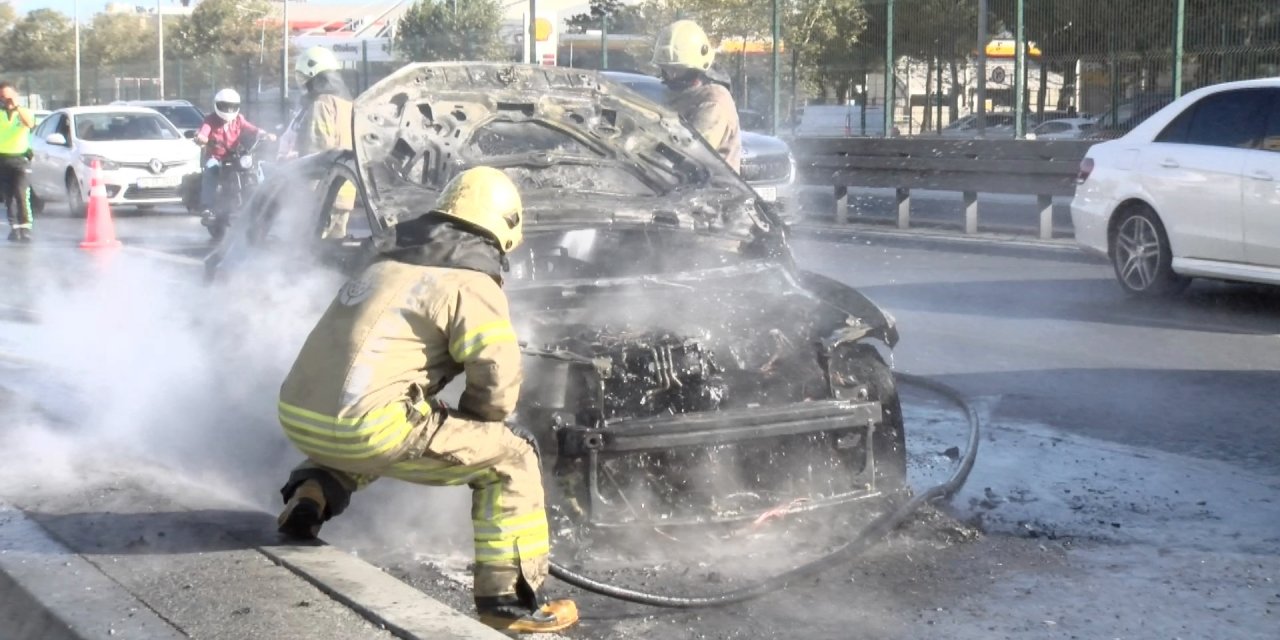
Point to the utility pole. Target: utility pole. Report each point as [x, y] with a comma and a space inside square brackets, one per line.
[777, 99]
[1180, 26]
[890, 81]
[533, 32]
[160, 45]
[981, 97]
[75, 10]
[284, 59]
[1019, 70]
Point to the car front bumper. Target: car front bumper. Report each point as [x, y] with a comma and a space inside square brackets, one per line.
[740, 464]
[128, 186]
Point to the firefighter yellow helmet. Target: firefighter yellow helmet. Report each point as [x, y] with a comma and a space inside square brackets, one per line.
[683, 45]
[487, 199]
[313, 62]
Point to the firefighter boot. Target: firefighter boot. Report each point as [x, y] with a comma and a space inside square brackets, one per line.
[509, 614]
[304, 513]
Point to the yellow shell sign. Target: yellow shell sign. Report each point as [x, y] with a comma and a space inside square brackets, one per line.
[1008, 49]
[541, 29]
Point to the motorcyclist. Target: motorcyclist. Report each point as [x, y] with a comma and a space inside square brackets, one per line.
[218, 135]
[360, 400]
[684, 54]
[324, 123]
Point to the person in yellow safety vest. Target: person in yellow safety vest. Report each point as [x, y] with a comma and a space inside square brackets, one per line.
[15, 152]
[325, 122]
[684, 54]
[360, 399]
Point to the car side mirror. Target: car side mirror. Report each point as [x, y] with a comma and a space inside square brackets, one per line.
[57, 139]
[189, 134]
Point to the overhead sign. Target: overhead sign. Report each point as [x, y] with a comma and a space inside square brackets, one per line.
[350, 49]
[1008, 49]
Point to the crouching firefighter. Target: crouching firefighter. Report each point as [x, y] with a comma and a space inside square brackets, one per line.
[359, 401]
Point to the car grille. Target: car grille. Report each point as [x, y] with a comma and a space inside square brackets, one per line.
[767, 168]
[153, 193]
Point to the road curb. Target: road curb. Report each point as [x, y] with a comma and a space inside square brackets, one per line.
[379, 597]
[48, 592]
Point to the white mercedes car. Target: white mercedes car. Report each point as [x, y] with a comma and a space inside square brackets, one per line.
[143, 156]
[1191, 192]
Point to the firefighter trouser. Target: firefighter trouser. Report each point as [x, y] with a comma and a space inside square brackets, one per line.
[512, 540]
[15, 187]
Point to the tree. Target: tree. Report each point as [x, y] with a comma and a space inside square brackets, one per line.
[114, 38]
[434, 30]
[8, 16]
[43, 39]
[623, 18]
[233, 29]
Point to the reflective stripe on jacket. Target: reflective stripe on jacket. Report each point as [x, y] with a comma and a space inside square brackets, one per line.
[394, 336]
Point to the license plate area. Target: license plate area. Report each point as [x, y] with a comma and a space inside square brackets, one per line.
[768, 194]
[159, 183]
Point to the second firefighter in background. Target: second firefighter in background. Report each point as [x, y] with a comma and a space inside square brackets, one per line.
[360, 401]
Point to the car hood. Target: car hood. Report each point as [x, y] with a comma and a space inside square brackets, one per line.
[758, 144]
[140, 150]
[581, 148]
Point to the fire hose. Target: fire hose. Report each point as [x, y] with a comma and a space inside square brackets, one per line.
[866, 538]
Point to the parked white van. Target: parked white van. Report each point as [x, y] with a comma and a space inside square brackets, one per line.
[840, 121]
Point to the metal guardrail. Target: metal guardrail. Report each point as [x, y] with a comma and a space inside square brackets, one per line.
[1043, 168]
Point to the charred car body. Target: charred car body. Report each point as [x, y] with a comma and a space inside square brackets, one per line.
[679, 368]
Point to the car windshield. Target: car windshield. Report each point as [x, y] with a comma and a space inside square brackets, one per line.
[103, 127]
[182, 116]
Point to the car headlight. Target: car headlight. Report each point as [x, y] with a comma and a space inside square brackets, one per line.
[246, 162]
[107, 165]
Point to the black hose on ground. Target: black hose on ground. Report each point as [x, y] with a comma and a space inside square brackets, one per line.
[870, 535]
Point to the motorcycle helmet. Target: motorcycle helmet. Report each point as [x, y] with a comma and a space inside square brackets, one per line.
[226, 103]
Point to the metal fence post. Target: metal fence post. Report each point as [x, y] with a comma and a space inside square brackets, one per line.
[1179, 30]
[890, 81]
[1019, 71]
[777, 102]
[604, 41]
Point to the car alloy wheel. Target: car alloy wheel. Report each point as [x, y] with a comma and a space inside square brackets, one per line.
[75, 197]
[1141, 255]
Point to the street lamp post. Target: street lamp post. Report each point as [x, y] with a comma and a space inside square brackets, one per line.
[773, 61]
[533, 32]
[76, 18]
[284, 57]
[160, 45]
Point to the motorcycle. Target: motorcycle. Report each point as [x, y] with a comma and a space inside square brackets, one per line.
[241, 172]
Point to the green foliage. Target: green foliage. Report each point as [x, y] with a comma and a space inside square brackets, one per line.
[226, 28]
[433, 30]
[119, 37]
[623, 18]
[43, 39]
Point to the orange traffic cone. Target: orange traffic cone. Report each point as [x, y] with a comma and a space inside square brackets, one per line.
[99, 229]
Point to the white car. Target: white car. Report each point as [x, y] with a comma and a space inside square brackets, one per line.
[143, 157]
[1062, 129]
[1192, 191]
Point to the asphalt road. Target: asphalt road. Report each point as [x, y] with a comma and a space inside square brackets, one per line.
[1127, 486]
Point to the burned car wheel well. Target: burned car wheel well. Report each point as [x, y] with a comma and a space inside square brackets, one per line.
[860, 370]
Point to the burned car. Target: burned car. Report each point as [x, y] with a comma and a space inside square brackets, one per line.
[679, 368]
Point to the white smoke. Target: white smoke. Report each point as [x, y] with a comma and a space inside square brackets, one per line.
[140, 362]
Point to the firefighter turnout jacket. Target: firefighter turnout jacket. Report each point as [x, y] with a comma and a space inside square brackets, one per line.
[710, 110]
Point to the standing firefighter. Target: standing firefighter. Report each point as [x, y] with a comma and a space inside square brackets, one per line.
[360, 402]
[684, 55]
[325, 122]
[15, 152]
